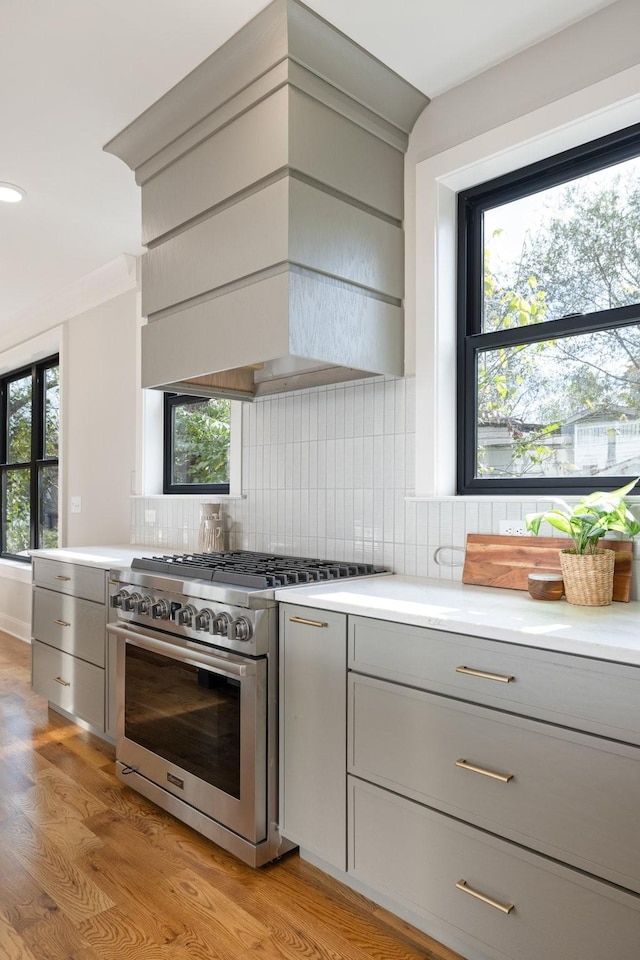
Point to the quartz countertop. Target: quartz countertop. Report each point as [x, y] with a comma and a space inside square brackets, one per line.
[106, 557]
[607, 633]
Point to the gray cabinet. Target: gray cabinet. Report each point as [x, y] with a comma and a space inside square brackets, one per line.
[70, 662]
[493, 792]
[313, 713]
[498, 899]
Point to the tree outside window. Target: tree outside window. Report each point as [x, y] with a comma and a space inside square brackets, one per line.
[29, 435]
[197, 435]
[549, 297]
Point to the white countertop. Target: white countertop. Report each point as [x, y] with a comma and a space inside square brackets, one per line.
[608, 633]
[106, 557]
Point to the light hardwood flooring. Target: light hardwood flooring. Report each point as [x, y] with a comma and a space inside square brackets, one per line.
[89, 869]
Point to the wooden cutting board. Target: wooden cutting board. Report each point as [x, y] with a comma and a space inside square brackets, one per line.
[494, 561]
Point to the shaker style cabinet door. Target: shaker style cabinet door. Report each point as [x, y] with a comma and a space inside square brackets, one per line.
[313, 716]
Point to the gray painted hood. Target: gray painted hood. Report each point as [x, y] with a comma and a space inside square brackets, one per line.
[272, 208]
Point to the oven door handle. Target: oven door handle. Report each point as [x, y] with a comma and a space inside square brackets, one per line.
[229, 665]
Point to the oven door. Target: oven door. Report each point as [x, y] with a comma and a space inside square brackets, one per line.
[194, 722]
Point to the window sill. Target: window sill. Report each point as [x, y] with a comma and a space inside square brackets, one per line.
[205, 497]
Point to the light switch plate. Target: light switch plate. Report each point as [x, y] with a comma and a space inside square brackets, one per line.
[76, 504]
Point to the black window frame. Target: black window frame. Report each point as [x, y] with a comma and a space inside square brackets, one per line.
[170, 401]
[37, 373]
[472, 203]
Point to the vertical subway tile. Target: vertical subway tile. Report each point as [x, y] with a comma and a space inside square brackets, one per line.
[400, 406]
[339, 472]
[358, 410]
[322, 414]
[348, 411]
[389, 426]
[378, 407]
[367, 463]
[330, 413]
[330, 463]
[358, 462]
[339, 412]
[313, 416]
[378, 463]
[367, 428]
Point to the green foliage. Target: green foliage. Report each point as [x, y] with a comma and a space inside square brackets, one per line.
[581, 255]
[201, 442]
[17, 534]
[590, 518]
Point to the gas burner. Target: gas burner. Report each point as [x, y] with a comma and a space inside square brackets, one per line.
[247, 568]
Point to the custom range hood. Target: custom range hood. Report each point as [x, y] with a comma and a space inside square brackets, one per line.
[272, 184]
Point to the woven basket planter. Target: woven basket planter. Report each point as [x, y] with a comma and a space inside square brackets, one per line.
[588, 577]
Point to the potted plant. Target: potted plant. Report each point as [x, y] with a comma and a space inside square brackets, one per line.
[587, 568]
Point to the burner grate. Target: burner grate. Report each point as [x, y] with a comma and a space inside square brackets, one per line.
[256, 570]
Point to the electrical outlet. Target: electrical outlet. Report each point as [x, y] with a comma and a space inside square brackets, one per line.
[512, 528]
[76, 504]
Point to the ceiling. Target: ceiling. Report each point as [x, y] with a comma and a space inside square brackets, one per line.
[75, 72]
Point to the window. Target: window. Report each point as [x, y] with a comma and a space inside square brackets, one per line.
[549, 323]
[197, 435]
[29, 440]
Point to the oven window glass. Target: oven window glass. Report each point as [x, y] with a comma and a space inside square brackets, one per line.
[188, 715]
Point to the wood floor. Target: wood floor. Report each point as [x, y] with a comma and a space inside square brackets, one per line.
[90, 870]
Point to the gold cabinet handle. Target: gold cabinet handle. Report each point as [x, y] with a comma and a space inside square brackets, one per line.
[308, 623]
[62, 623]
[63, 683]
[502, 907]
[502, 777]
[470, 672]
[59, 576]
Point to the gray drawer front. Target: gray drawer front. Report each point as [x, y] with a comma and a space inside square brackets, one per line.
[71, 578]
[409, 742]
[416, 856]
[75, 626]
[590, 695]
[70, 683]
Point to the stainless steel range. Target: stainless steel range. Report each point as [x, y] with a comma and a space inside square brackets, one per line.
[197, 688]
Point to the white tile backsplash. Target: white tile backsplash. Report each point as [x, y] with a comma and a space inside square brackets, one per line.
[327, 473]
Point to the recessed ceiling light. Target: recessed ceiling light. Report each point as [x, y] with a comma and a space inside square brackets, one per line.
[9, 193]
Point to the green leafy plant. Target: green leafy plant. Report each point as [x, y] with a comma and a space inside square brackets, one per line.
[590, 518]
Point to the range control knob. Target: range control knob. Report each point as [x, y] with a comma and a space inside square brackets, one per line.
[185, 615]
[117, 600]
[240, 629]
[129, 602]
[203, 619]
[220, 624]
[160, 610]
[142, 605]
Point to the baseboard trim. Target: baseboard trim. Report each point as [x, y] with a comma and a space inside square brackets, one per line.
[17, 628]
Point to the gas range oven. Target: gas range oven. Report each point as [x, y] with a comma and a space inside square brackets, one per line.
[197, 687]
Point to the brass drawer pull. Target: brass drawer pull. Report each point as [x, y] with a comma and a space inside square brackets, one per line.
[502, 907]
[62, 623]
[63, 683]
[502, 777]
[308, 623]
[59, 576]
[469, 672]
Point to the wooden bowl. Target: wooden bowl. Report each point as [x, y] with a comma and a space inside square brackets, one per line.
[545, 586]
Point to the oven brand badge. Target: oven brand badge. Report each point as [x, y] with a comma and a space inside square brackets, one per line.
[176, 781]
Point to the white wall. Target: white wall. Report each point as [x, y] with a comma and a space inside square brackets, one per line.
[98, 359]
[99, 415]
